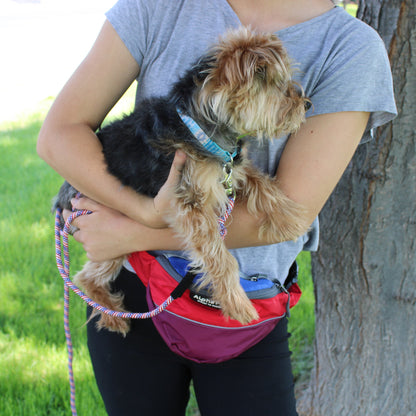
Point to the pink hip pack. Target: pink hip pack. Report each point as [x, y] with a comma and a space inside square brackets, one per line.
[193, 326]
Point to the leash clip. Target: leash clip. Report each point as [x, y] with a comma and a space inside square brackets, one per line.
[227, 170]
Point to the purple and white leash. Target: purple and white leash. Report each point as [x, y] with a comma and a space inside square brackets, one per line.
[63, 268]
[222, 220]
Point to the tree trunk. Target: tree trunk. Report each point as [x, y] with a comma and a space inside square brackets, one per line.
[365, 270]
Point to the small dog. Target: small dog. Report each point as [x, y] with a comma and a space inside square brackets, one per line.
[241, 90]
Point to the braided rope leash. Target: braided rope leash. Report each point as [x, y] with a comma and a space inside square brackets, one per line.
[63, 267]
[222, 220]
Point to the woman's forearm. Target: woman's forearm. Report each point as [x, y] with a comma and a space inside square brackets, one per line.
[75, 153]
[106, 233]
[242, 231]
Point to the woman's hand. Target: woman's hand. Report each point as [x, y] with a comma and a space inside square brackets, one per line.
[105, 233]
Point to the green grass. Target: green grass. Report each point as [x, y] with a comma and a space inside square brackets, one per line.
[302, 324]
[351, 8]
[33, 369]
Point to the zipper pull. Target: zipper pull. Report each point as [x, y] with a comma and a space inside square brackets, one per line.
[256, 277]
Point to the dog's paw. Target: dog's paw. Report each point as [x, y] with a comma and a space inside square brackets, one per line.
[114, 324]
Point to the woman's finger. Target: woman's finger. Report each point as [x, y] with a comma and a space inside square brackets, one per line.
[73, 228]
[84, 203]
[163, 199]
[176, 168]
[66, 213]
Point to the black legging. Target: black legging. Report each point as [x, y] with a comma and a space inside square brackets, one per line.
[139, 375]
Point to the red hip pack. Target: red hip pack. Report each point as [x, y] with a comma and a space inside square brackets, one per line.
[193, 326]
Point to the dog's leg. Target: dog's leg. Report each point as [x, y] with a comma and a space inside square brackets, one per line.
[201, 198]
[95, 279]
[282, 218]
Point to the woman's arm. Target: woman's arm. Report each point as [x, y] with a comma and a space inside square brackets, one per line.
[311, 165]
[67, 141]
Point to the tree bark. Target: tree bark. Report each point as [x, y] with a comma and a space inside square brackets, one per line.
[365, 270]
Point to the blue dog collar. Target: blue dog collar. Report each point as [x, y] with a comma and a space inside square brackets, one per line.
[204, 140]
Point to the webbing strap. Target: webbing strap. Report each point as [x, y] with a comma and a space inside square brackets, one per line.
[184, 284]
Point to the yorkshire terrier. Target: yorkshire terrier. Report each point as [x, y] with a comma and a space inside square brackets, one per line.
[240, 91]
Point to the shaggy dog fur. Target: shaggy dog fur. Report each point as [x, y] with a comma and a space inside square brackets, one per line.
[242, 86]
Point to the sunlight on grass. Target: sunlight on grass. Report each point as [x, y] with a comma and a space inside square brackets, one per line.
[125, 105]
[6, 141]
[31, 363]
[352, 9]
[40, 230]
[37, 373]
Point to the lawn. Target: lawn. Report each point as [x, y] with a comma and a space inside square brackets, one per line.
[33, 369]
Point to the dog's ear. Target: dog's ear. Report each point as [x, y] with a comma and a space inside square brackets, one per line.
[292, 108]
[203, 67]
[184, 89]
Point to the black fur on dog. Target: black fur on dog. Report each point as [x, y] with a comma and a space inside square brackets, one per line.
[139, 148]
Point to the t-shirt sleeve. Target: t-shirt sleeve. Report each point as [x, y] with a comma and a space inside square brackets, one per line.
[130, 19]
[357, 77]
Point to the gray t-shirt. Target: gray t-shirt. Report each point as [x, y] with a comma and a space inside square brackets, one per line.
[342, 66]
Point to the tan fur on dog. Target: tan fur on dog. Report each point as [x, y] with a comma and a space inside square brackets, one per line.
[248, 86]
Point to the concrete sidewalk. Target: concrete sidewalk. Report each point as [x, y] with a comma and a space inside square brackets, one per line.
[41, 44]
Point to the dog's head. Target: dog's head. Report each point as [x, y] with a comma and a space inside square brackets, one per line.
[247, 86]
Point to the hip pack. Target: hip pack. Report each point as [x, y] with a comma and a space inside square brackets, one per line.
[193, 325]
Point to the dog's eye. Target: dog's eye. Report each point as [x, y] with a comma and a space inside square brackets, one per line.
[261, 72]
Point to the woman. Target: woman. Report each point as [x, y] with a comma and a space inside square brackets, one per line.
[344, 70]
